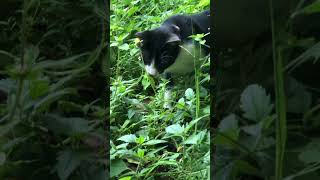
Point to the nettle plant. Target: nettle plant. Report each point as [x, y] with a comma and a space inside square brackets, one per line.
[162, 140]
[245, 141]
[148, 141]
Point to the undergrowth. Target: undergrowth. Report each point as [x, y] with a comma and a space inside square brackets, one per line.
[148, 141]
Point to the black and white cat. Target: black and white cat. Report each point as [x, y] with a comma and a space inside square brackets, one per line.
[169, 50]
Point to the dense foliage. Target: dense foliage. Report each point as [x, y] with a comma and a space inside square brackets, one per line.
[148, 141]
[52, 89]
[272, 131]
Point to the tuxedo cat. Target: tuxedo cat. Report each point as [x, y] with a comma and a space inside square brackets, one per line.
[169, 50]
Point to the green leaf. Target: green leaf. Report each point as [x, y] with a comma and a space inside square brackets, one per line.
[310, 156]
[39, 87]
[131, 113]
[2, 158]
[196, 138]
[132, 10]
[175, 129]
[117, 166]
[50, 98]
[154, 142]
[228, 132]
[124, 47]
[58, 64]
[140, 153]
[311, 152]
[145, 82]
[181, 103]
[189, 93]
[68, 126]
[140, 140]
[255, 103]
[31, 54]
[161, 163]
[68, 161]
[312, 8]
[229, 122]
[126, 178]
[311, 53]
[246, 168]
[129, 138]
[193, 122]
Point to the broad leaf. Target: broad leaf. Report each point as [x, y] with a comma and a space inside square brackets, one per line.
[68, 161]
[68, 126]
[39, 87]
[196, 138]
[129, 138]
[189, 94]
[255, 103]
[117, 166]
[175, 129]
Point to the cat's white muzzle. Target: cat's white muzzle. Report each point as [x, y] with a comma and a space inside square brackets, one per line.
[151, 69]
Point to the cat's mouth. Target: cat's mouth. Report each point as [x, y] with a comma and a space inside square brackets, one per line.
[151, 69]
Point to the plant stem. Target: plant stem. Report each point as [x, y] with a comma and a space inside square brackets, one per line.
[281, 126]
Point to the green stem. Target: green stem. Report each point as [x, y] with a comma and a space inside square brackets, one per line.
[281, 126]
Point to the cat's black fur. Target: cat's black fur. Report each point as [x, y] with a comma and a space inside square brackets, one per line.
[162, 45]
[166, 49]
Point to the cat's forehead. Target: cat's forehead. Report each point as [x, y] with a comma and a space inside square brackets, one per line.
[159, 35]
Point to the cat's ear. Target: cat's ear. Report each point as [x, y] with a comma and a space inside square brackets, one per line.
[175, 29]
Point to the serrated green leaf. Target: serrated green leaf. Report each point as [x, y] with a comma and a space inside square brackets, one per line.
[255, 103]
[189, 93]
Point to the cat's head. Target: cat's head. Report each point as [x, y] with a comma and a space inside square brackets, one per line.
[159, 47]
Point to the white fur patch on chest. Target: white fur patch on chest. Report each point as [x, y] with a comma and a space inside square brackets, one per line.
[184, 63]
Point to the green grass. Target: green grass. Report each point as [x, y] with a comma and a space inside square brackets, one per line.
[147, 140]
